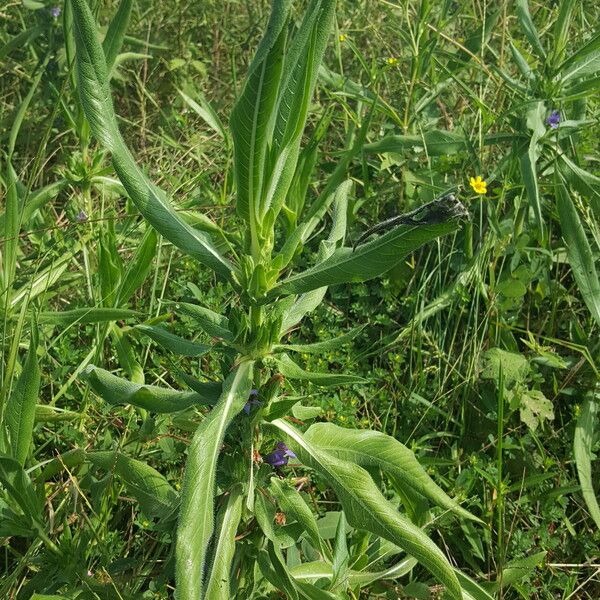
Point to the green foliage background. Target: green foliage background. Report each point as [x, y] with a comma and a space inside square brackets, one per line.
[481, 351]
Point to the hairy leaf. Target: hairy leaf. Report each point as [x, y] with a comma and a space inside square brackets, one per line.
[196, 525]
[366, 508]
[116, 390]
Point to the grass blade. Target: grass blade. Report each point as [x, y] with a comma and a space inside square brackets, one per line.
[113, 41]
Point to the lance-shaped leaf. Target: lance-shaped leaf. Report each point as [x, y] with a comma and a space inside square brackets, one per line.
[436, 142]
[288, 368]
[317, 570]
[374, 258]
[301, 67]
[526, 23]
[84, 316]
[310, 300]
[324, 346]
[582, 446]
[95, 98]
[366, 508]
[116, 390]
[172, 342]
[212, 323]
[374, 449]
[294, 506]
[218, 586]
[579, 251]
[20, 409]
[252, 117]
[156, 496]
[528, 162]
[196, 525]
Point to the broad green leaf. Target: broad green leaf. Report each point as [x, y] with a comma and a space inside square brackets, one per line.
[374, 258]
[116, 390]
[518, 570]
[20, 409]
[436, 142]
[582, 448]
[95, 98]
[293, 505]
[284, 536]
[70, 459]
[373, 449]
[581, 89]
[288, 368]
[153, 492]
[84, 316]
[514, 367]
[526, 23]
[218, 587]
[535, 408]
[252, 116]
[366, 508]
[212, 323]
[579, 251]
[325, 346]
[196, 526]
[171, 342]
[113, 41]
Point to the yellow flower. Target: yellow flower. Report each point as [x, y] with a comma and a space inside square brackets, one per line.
[342, 38]
[478, 184]
[392, 61]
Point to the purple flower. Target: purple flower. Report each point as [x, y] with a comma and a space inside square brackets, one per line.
[280, 456]
[82, 216]
[553, 119]
[252, 401]
[55, 12]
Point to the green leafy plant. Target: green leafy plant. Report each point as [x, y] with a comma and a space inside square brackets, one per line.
[228, 490]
